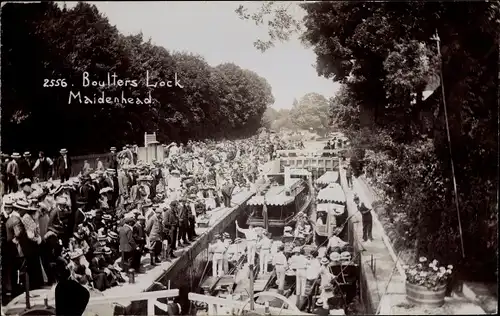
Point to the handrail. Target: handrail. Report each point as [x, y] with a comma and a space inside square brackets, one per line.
[99, 300]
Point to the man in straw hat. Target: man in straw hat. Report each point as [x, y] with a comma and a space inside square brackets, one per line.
[13, 173]
[264, 245]
[12, 229]
[25, 166]
[281, 265]
[127, 242]
[112, 160]
[63, 165]
[31, 244]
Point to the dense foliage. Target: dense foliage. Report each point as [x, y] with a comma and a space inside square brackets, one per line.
[385, 56]
[311, 112]
[44, 41]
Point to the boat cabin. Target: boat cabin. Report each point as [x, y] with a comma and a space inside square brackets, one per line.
[287, 195]
[330, 210]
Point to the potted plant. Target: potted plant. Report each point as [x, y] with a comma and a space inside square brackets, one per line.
[426, 282]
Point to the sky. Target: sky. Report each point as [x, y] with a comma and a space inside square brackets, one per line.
[214, 31]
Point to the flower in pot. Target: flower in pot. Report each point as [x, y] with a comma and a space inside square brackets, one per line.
[426, 282]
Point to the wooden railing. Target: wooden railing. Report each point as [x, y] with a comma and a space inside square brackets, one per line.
[151, 297]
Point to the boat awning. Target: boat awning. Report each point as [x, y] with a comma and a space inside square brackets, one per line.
[335, 209]
[275, 195]
[274, 201]
[332, 193]
[328, 177]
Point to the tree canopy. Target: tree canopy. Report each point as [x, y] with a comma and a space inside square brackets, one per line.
[385, 56]
[311, 112]
[42, 43]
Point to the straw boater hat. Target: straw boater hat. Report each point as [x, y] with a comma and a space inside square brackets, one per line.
[106, 217]
[113, 235]
[25, 181]
[105, 190]
[112, 149]
[141, 217]
[345, 256]
[107, 250]
[319, 302]
[63, 151]
[101, 236]
[15, 155]
[324, 261]
[287, 229]
[76, 254]
[27, 154]
[22, 205]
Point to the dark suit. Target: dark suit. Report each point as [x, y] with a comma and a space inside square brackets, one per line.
[140, 239]
[97, 266]
[127, 246]
[62, 170]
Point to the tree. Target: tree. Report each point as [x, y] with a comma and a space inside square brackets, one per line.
[43, 41]
[311, 112]
[384, 56]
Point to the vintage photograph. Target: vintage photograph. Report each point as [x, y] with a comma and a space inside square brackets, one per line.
[249, 157]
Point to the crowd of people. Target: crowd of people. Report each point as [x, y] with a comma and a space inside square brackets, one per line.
[99, 225]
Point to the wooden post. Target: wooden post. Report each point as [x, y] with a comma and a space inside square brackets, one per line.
[151, 306]
[27, 289]
[250, 266]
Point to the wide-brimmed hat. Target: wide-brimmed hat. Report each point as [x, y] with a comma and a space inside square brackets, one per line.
[324, 261]
[107, 250]
[61, 200]
[63, 151]
[335, 256]
[22, 205]
[8, 200]
[113, 235]
[25, 181]
[110, 170]
[15, 155]
[345, 256]
[105, 190]
[27, 154]
[76, 254]
[113, 148]
[319, 302]
[102, 237]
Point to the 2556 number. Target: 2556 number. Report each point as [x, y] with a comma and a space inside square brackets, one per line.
[49, 83]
